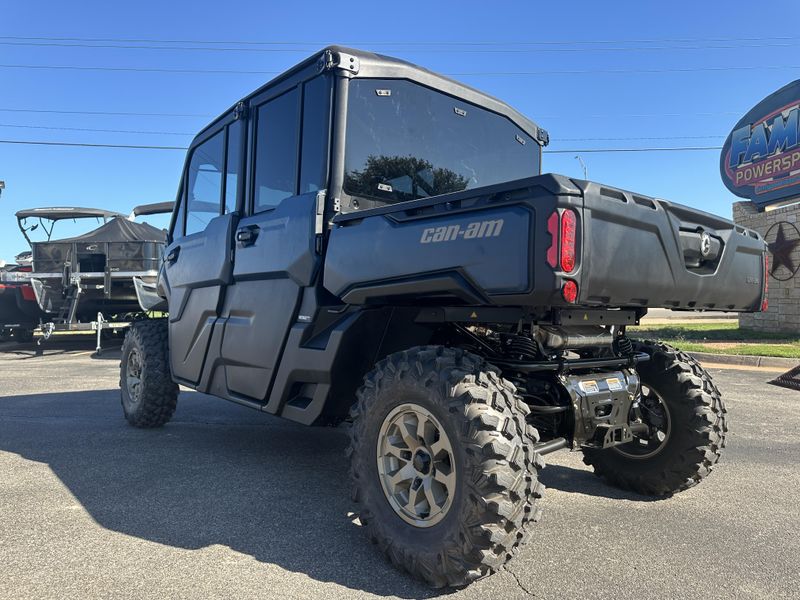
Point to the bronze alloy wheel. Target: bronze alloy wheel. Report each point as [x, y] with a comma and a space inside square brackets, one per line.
[416, 465]
[133, 376]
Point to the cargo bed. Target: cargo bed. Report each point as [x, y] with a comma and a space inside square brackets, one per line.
[495, 245]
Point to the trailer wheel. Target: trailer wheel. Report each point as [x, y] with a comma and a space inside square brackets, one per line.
[687, 426]
[149, 396]
[442, 464]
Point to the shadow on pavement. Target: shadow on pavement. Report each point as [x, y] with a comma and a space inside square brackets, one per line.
[577, 481]
[62, 345]
[217, 474]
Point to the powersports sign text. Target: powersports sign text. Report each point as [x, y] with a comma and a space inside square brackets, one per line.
[761, 157]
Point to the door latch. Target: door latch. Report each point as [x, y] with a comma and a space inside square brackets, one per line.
[248, 235]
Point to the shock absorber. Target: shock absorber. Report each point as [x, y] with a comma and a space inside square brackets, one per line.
[623, 346]
[520, 347]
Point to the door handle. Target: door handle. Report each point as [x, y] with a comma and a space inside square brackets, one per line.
[173, 254]
[248, 235]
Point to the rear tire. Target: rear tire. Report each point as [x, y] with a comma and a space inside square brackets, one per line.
[474, 523]
[149, 396]
[695, 422]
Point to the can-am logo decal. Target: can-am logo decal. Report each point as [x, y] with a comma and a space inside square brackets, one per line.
[761, 157]
[448, 233]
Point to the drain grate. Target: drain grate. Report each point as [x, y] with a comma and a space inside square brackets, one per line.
[790, 379]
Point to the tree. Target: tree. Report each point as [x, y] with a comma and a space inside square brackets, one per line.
[408, 177]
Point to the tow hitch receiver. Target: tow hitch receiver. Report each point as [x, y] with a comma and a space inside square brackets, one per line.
[602, 405]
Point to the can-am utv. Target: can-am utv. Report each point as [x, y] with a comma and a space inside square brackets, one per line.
[362, 240]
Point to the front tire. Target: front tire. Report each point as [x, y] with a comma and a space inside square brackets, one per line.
[688, 422]
[149, 396]
[442, 464]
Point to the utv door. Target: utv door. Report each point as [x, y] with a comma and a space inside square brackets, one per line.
[275, 245]
[198, 262]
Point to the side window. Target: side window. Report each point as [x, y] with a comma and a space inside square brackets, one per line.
[277, 128]
[205, 183]
[233, 164]
[316, 124]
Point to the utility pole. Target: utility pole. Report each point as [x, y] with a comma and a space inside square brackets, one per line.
[2, 186]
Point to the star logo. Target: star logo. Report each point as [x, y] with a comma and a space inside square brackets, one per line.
[782, 240]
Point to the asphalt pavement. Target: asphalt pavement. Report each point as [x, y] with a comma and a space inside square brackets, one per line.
[224, 502]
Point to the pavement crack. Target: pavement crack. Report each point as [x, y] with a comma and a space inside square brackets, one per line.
[519, 583]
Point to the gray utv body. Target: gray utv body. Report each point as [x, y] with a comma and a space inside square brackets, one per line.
[285, 308]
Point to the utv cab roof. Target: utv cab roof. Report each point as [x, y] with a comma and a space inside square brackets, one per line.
[354, 63]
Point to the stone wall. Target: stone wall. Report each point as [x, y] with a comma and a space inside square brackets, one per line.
[784, 286]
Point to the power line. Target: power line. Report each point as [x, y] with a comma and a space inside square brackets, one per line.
[148, 147]
[141, 69]
[464, 74]
[150, 132]
[209, 115]
[665, 149]
[407, 43]
[104, 113]
[85, 145]
[628, 139]
[642, 115]
[400, 48]
[96, 130]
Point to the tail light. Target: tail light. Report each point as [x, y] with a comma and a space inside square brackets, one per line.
[570, 291]
[765, 299]
[569, 225]
[27, 293]
[563, 230]
[552, 229]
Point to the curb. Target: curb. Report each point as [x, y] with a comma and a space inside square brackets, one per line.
[746, 360]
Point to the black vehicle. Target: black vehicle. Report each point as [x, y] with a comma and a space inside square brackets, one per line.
[76, 278]
[362, 240]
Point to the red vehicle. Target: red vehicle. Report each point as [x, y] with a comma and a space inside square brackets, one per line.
[19, 312]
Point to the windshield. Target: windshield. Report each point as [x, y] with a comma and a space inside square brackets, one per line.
[405, 141]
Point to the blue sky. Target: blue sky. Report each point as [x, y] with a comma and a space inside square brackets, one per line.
[638, 83]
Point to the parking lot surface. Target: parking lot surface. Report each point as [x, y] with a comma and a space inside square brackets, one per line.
[226, 503]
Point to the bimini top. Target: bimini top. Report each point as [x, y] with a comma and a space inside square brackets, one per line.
[52, 215]
[67, 212]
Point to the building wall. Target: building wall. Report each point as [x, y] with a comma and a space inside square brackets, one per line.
[784, 296]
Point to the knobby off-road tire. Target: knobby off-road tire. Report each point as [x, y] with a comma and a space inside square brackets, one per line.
[149, 396]
[697, 427]
[495, 489]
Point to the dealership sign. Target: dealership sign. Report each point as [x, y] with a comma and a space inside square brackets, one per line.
[761, 157]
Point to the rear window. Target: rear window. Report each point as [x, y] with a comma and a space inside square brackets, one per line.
[405, 141]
